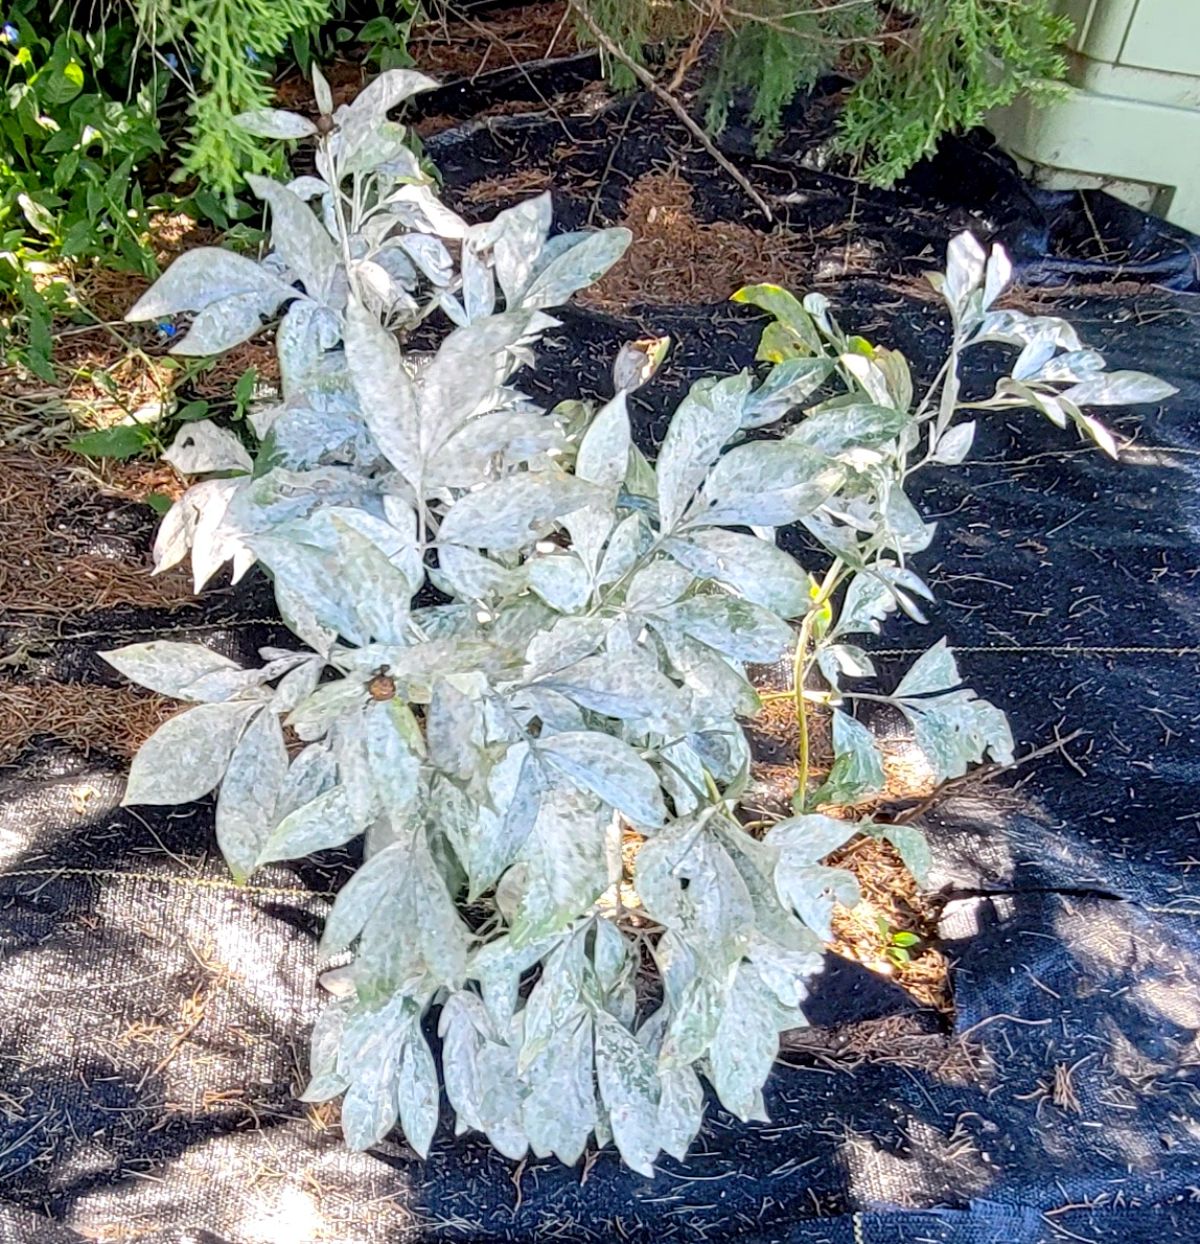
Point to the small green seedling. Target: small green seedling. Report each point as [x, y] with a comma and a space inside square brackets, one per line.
[897, 943]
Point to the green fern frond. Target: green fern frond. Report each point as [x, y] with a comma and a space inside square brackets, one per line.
[960, 59]
[227, 41]
[941, 71]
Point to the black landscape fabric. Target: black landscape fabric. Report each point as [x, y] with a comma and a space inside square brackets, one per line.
[154, 1016]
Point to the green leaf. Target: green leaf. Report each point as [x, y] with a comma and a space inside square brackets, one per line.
[125, 440]
[243, 391]
[192, 410]
[801, 336]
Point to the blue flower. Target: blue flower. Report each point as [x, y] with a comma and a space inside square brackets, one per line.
[172, 61]
[251, 55]
[166, 328]
[10, 34]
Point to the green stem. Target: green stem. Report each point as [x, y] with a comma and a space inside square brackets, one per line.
[799, 670]
[800, 667]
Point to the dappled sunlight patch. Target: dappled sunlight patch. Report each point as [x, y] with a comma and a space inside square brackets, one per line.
[892, 904]
[923, 1163]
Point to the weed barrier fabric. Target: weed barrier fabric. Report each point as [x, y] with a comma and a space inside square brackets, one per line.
[155, 1015]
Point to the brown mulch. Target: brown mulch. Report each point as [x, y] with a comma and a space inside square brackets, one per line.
[524, 183]
[451, 44]
[345, 78]
[100, 381]
[106, 369]
[117, 720]
[63, 561]
[55, 562]
[456, 44]
[676, 258]
[889, 890]
[216, 382]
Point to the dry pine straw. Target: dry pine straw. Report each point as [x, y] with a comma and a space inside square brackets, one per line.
[675, 258]
[459, 45]
[453, 45]
[117, 720]
[50, 571]
[52, 565]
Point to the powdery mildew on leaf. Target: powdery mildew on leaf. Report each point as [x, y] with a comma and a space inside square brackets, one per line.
[588, 672]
